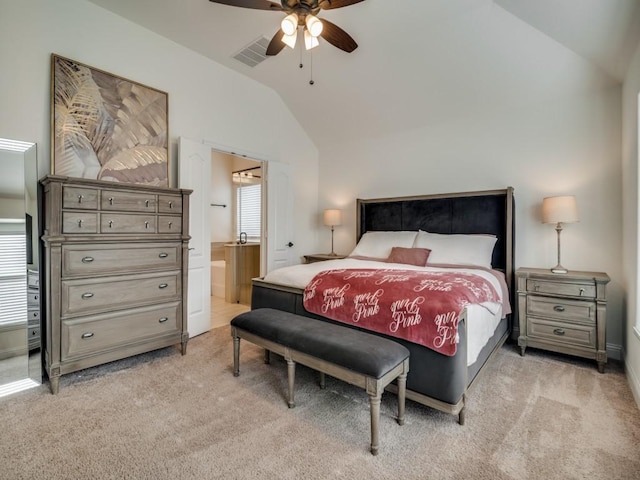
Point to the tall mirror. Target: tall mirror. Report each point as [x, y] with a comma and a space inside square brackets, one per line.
[20, 358]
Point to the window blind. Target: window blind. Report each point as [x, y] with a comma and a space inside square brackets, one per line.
[248, 204]
[13, 278]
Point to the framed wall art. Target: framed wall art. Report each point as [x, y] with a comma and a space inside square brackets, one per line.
[106, 127]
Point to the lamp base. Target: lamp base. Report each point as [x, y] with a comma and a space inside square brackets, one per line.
[559, 269]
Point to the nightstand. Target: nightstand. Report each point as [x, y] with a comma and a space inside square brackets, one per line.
[563, 313]
[321, 257]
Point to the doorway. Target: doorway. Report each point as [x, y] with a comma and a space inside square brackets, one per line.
[236, 220]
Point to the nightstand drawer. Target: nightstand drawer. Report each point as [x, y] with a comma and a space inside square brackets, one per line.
[562, 309]
[561, 288]
[571, 334]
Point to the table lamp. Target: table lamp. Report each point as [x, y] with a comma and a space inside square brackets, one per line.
[559, 210]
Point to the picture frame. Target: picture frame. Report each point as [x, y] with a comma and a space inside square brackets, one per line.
[106, 127]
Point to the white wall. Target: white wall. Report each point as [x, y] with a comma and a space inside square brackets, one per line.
[630, 158]
[544, 146]
[206, 101]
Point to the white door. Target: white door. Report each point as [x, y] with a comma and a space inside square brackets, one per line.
[279, 234]
[194, 172]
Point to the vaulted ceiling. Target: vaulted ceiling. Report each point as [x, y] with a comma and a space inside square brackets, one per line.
[419, 62]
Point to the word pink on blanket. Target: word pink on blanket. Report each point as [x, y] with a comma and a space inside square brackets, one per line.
[421, 307]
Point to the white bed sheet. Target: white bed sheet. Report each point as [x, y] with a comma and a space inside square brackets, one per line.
[482, 320]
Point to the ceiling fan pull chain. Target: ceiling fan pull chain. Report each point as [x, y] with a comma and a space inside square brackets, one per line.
[301, 64]
[311, 82]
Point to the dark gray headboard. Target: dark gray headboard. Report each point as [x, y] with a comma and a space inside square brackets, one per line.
[488, 212]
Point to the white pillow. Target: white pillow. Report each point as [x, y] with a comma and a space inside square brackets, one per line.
[456, 249]
[379, 244]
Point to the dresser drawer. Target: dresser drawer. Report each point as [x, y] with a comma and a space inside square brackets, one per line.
[95, 334]
[75, 222]
[94, 295]
[128, 201]
[169, 204]
[79, 198]
[33, 315]
[562, 289]
[33, 298]
[562, 309]
[83, 260]
[568, 333]
[168, 224]
[127, 223]
[33, 337]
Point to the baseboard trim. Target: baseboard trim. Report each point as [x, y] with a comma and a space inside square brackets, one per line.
[614, 352]
[633, 379]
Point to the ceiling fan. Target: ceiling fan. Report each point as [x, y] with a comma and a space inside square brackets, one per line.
[302, 13]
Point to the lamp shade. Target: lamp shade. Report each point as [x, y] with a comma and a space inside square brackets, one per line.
[559, 209]
[332, 217]
[289, 24]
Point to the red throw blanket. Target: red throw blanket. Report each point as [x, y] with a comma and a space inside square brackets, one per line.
[421, 307]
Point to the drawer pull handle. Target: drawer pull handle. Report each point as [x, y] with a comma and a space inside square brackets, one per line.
[581, 291]
[36, 297]
[35, 332]
[559, 308]
[163, 285]
[163, 319]
[146, 224]
[536, 287]
[87, 295]
[87, 259]
[110, 200]
[110, 223]
[146, 203]
[170, 223]
[163, 255]
[558, 331]
[35, 314]
[79, 223]
[87, 335]
[80, 197]
[170, 204]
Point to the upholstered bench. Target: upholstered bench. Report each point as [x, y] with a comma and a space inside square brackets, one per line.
[362, 359]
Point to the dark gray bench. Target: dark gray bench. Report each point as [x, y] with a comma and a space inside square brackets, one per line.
[362, 359]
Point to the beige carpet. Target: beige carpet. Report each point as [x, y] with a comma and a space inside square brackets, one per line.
[164, 416]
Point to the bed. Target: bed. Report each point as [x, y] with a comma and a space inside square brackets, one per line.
[435, 380]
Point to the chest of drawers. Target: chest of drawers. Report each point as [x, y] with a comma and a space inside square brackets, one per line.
[564, 313]
[115, 271]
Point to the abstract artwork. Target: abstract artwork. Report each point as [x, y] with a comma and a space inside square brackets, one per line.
[106, 127]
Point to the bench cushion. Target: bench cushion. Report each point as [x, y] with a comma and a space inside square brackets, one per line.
[355, 350]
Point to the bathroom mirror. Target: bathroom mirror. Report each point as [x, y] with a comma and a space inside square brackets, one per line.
[20, 357]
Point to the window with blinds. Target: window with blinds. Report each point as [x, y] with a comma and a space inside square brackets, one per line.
[13, 278]
[248, 209]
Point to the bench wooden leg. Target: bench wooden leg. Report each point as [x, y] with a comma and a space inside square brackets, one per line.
[374, 400]
[236, 355]
[291, 375]
[322, 380]
[267, 356]
[402, 393]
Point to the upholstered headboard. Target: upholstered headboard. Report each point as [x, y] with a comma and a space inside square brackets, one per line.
[486, 212]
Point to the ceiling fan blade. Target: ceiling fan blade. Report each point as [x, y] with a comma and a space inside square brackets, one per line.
[255, 4]
[275, 45]
[329, 4]
[337, 36]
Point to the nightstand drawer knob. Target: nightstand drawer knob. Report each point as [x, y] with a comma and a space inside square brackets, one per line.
[558, 331]
[87, 335]
[559, 308]
[581, 291]
[87, 259]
